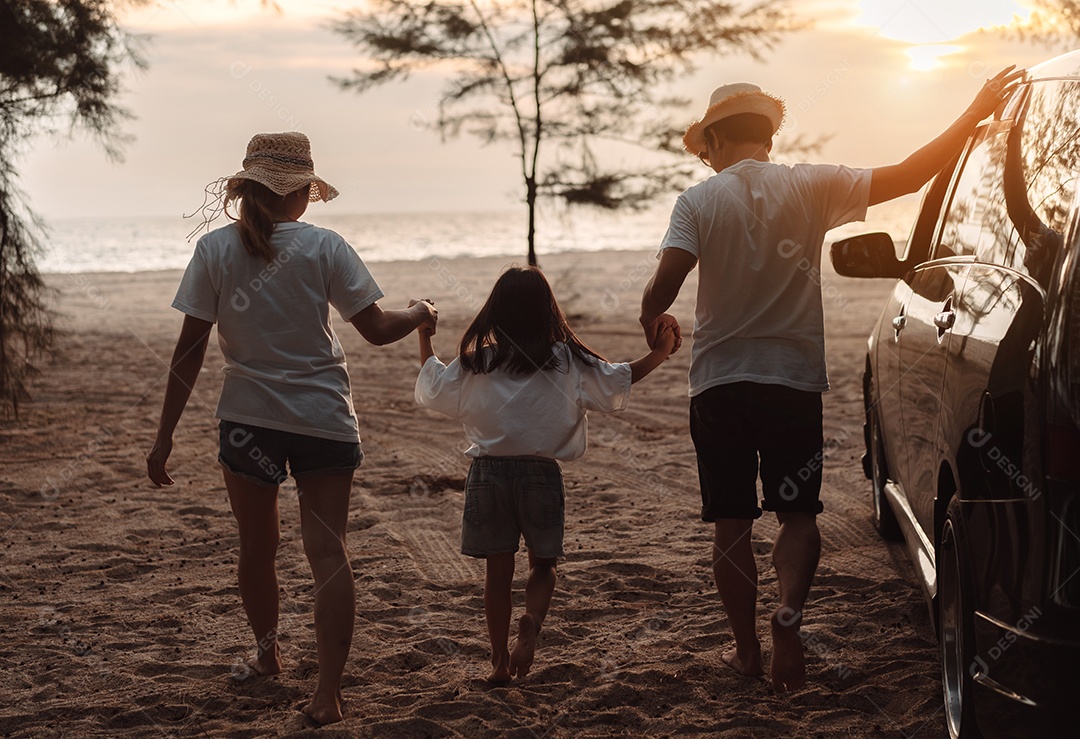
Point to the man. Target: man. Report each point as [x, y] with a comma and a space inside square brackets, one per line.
[757, 368]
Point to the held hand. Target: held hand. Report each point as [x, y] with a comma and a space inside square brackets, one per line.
[652, 329]
[424, 332]
[155, 463]
[666, 339]
[430, 315]
[666, 320]
[994, 91]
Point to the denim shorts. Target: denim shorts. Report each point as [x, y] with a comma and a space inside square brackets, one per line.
[740, 426]
[259, 454]
[510, 497]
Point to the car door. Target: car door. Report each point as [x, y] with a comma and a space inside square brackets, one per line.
[924, 347]
[887, 370]
[996, 320]
[931, 313]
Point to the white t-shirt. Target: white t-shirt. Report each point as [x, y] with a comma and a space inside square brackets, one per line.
[525, 415]
[284, 368]
[757, 229]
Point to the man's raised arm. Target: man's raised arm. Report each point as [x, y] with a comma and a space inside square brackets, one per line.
[909, 175]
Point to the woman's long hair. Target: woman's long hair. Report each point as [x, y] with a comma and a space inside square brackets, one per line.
[258, 208]
[518, 326]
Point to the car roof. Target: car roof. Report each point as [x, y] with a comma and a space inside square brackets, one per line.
[1064, 66]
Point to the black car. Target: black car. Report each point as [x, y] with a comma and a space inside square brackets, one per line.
[972, 394]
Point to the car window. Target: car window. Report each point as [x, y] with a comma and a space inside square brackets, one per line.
[973, 194]
[998, 235]
[1049, 156]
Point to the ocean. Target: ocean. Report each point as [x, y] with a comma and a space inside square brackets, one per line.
[140, 243]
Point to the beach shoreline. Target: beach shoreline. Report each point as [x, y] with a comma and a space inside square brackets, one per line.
[124, 616]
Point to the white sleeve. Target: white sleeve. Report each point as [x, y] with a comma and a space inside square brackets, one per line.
[352, 288]
[197, 295]
[439, 387]
[841, 194]
[682, 232]
[603, 386]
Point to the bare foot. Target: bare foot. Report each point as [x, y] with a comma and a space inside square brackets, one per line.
[267, 663]
[324, 712]
[751, 666]
[788, 662]
[521, 658]
[500, 667]
[500, 675]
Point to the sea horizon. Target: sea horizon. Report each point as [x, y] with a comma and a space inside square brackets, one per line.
[144, 243]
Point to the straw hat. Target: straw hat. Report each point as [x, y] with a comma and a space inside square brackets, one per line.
[282, 162]
[729, 100]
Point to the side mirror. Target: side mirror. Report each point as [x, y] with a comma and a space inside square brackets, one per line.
[867, 255]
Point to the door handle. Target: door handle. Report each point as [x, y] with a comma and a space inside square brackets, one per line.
[945, 320]
[898, 323]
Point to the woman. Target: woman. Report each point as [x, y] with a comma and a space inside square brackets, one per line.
[268, 281]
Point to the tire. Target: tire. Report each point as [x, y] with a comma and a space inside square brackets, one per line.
[878, 471]
[957, 631]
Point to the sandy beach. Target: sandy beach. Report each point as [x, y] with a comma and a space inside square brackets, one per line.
[121, 611]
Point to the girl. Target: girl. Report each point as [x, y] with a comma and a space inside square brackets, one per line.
[521, 385]
[268, 281]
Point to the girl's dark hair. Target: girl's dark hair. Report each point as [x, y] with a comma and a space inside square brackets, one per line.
[518, 326]
[743, 128]
[258, 206]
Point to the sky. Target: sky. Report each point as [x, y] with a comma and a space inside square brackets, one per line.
[881, 77]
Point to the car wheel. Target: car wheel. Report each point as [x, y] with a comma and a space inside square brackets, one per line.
[957, 632]
[884, 518]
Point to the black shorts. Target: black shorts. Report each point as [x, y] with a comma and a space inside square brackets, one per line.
[507, 498]
[734, 426]
[259, 454]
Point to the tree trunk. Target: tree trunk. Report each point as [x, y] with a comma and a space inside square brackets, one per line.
[530, 200]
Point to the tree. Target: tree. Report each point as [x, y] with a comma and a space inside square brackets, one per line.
[566, 81]
[58, 62]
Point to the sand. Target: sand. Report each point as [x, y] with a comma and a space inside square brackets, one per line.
[122, 615]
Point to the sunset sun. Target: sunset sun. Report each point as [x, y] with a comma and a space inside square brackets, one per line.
[934, 30]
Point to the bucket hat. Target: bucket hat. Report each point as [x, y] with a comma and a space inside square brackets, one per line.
[282, 162]
[729, 100]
